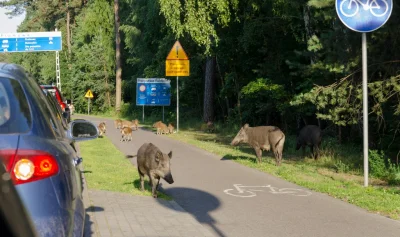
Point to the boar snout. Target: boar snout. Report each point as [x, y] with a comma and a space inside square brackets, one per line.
[169, 178]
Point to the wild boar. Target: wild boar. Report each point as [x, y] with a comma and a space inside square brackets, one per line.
[126, 134]
[262, 138]
[126, 124]
[117, 123]
[102, 128]
[155, 164]
[311, 136]
[161, 128]
[136, 124]
[171, 128]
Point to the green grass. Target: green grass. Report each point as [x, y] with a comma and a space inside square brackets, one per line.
[106, 168]
[320, 176]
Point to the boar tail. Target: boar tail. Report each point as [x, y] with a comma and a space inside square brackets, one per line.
[280, 141]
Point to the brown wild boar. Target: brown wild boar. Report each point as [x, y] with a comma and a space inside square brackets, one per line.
[117, 123]
[171, 128]
[161, 127]
[136, 124]
[126, 134]
[310, 136]
[126, 124]
[102, 128]
[155, 164]
[262, 138]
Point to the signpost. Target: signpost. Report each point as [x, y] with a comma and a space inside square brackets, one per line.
[364, 16]
[30, 42]
[153, 92]
[177, 64]
[89, 95]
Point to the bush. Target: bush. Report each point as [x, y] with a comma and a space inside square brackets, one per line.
[377, 166]
[341, 167]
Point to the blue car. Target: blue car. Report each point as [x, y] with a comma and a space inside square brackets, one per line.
[39, 153]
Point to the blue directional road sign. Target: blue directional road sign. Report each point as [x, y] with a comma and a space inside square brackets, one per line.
[30, 41]
[364, 15]
[153, 91]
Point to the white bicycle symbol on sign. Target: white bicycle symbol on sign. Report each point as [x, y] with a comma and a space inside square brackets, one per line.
[249, 191]
[352, 7]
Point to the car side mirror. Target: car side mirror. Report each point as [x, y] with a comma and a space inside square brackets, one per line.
[82, 130]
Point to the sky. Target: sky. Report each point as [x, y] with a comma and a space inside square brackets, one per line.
[9, 25]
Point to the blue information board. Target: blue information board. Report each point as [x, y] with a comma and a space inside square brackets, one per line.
[153, 91]
[364, 15]
[30, 41]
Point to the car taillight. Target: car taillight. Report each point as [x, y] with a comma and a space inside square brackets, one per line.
[29, 165]
[63, 106]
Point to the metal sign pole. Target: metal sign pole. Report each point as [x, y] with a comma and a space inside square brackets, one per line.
[365, 106]
[143, 115]
[163, 113]
[177, 104]
[88, 106]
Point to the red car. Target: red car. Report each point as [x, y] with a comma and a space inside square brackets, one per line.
[57, 94]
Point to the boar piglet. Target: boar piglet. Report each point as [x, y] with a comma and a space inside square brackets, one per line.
[262, 138]
[155, 164]
[310, 136]
[102, 128]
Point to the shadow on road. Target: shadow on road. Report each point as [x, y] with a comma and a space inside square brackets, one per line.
[94, 209]
[89, 224]
[205, 203]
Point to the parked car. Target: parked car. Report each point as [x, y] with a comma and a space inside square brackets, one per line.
[15, 220]
[57, 94]
[38, 153]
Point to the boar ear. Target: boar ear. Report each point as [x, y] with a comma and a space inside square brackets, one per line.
[170, 154]
[246, 125]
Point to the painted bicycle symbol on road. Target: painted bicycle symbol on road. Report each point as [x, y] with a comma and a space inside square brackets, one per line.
[350, 8]
[250, 191]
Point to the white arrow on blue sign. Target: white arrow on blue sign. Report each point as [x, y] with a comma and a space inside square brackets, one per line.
[364, 15]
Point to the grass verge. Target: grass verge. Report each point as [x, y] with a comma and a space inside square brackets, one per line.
[106, 168]
[319, 176]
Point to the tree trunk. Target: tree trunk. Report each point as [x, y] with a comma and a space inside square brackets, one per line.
[209, 90]
[307, 24]
[68, 31]
[118, 67]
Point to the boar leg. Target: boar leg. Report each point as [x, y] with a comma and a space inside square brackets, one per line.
[153, 185]
[258, 154]
[141, 180]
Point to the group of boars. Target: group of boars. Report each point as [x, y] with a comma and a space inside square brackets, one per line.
[151, 161]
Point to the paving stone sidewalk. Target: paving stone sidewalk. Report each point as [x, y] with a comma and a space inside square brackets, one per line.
[119, 214]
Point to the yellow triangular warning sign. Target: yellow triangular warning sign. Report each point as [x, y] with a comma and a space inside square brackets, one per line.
[177, 52]
[89, 94]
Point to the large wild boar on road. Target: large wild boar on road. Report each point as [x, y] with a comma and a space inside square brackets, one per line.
[310, 136]
[155, 164]
[262, 138]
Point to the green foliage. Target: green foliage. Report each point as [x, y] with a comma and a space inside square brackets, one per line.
[377, 164]
[341, 167]
[197, 18]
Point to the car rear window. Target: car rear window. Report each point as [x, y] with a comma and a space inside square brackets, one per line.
[15, 114]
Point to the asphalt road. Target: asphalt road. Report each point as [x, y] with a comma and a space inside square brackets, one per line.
[204, 186]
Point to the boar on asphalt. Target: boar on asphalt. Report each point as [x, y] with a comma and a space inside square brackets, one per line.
[102, 128]
[155, 164]
[126, 134]
[310, 136]
[262, 138]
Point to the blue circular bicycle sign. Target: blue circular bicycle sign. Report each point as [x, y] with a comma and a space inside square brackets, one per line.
[364, 15]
